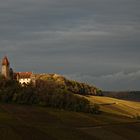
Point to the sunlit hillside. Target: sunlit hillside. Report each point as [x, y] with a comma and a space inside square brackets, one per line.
[70, 85]
[116, 106]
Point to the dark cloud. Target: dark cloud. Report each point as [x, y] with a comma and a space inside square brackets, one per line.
[117, 81]
[88, 38]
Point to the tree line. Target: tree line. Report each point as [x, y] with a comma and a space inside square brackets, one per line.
[46, 94]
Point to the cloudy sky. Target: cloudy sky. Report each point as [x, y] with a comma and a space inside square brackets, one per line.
[93, 41]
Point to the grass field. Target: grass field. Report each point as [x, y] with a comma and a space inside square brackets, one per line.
[116, 106]
[18, 122]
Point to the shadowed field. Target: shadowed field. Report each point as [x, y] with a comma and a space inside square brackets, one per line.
[36, 123]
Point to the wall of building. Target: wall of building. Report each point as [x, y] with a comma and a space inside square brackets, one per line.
[5, 71]
[26, 80]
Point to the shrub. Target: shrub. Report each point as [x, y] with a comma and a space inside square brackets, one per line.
[44, 94]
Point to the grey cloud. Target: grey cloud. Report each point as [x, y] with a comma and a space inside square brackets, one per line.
[92, 37]
[120, 80]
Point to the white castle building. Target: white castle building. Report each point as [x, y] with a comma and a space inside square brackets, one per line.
[22, 77]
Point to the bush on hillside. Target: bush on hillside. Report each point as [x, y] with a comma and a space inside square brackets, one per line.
[70, 85]
[7, 89]
[45, 94]
[51, 95]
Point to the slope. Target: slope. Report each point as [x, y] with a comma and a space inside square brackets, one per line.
[22, 122]
[70, 85]
[116, 106]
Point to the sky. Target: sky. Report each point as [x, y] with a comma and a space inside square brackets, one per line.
[92, 41]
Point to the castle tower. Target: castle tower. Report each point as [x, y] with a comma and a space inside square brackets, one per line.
[5, 68]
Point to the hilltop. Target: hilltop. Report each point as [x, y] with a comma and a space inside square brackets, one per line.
[70, 85]
[49, 90]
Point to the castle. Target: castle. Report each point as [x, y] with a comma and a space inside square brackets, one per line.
[21, 77]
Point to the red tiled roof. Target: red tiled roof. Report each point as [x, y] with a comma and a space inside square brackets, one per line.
[24, 74]
[5, 61]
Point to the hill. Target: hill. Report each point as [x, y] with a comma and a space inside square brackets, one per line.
[70, 85]
[47, 93]
[72, 115]
[116, 106]
[23, 122]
